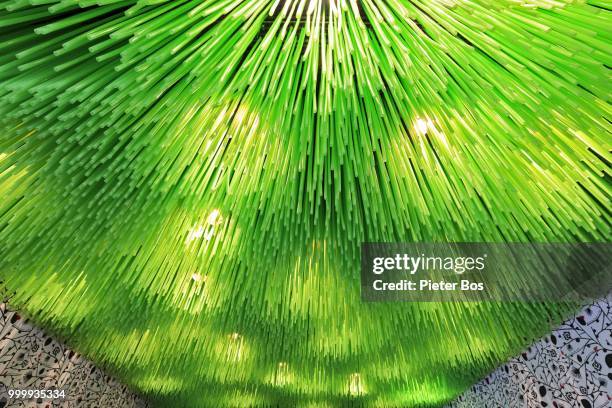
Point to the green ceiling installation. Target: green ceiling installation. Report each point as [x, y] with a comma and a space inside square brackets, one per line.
[185, 184]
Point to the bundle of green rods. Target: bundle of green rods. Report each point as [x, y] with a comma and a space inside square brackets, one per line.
[185, 184]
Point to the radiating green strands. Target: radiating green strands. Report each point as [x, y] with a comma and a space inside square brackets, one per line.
[188, 182]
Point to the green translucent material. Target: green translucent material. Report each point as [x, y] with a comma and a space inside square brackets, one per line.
[185, 183]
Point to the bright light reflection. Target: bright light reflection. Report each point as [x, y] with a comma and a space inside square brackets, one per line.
[198, 278]
[213, 216]
[423, 126]
[206, 230]
[355, 385]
